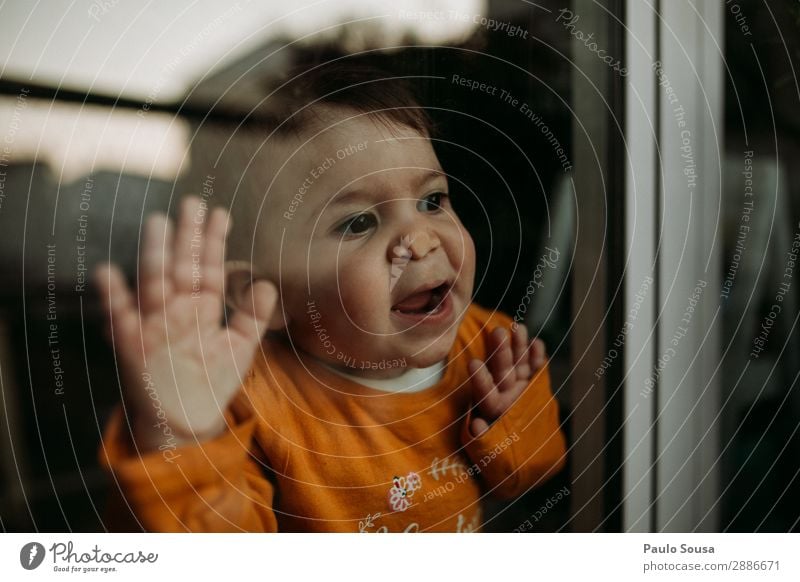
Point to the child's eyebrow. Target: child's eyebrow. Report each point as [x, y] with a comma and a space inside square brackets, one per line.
[370, 193]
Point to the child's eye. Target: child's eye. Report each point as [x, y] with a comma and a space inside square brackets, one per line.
[358, 224]
[432, 202]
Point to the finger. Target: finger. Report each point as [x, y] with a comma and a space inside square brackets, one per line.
[519, 342]
[214, 255]
[478, 426]
[538, 354]
[250, 323]
[520, 348]
[100, 279]
[484, 391]
[188, 245]
[155, 284]
[118, 305]
[501, 359]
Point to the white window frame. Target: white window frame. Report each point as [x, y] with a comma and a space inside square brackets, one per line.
[671, 452]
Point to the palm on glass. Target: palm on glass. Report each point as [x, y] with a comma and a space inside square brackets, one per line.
[497, 383]
[172, 346]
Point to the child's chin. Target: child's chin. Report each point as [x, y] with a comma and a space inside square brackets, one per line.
[432, 353]
[427, 359]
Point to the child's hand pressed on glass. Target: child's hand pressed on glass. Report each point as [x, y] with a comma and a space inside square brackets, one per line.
[181, 366]
[497, 383]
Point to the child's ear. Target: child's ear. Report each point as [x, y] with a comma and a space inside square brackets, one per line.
[239, 276]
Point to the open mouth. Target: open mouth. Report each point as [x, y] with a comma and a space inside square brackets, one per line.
[425, 302]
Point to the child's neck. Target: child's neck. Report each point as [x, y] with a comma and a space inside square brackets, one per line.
[409, 380]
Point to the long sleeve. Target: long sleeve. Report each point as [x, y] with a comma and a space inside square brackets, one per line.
[524, 447]
[215, 486]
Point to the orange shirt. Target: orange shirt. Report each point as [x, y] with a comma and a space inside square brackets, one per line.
[309, 450]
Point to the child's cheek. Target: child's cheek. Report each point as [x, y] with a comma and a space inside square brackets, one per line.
[469, 261]
[463, 257]
[350, 292]
[364, 293]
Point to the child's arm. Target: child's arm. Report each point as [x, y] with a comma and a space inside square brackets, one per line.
[513, 435]
[180, 369]
[215, 486]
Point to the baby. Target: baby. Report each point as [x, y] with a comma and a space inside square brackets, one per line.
[380, 399]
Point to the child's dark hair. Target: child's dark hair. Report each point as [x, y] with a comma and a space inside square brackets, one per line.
[345, 84]
[244, 163]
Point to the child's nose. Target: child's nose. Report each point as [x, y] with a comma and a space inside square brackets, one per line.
[416, 245]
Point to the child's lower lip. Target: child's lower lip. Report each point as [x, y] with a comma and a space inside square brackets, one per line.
[442, 315]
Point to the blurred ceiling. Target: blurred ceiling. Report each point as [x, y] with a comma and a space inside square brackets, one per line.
[158, 52]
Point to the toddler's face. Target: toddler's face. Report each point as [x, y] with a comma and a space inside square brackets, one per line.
[375, 270]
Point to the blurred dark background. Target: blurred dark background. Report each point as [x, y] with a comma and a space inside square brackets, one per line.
[762, 415]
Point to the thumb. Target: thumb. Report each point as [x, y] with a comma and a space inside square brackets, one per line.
[252, 318]
[478, 426]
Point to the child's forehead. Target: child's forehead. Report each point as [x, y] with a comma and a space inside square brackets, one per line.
[340, 131]
[356, 148]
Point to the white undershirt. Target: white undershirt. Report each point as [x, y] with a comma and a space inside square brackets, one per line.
[412, 380]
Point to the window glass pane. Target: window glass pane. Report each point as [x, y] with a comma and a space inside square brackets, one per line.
[760, 288]
[110, 111]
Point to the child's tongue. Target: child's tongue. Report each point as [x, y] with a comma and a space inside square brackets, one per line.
[415, 302]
